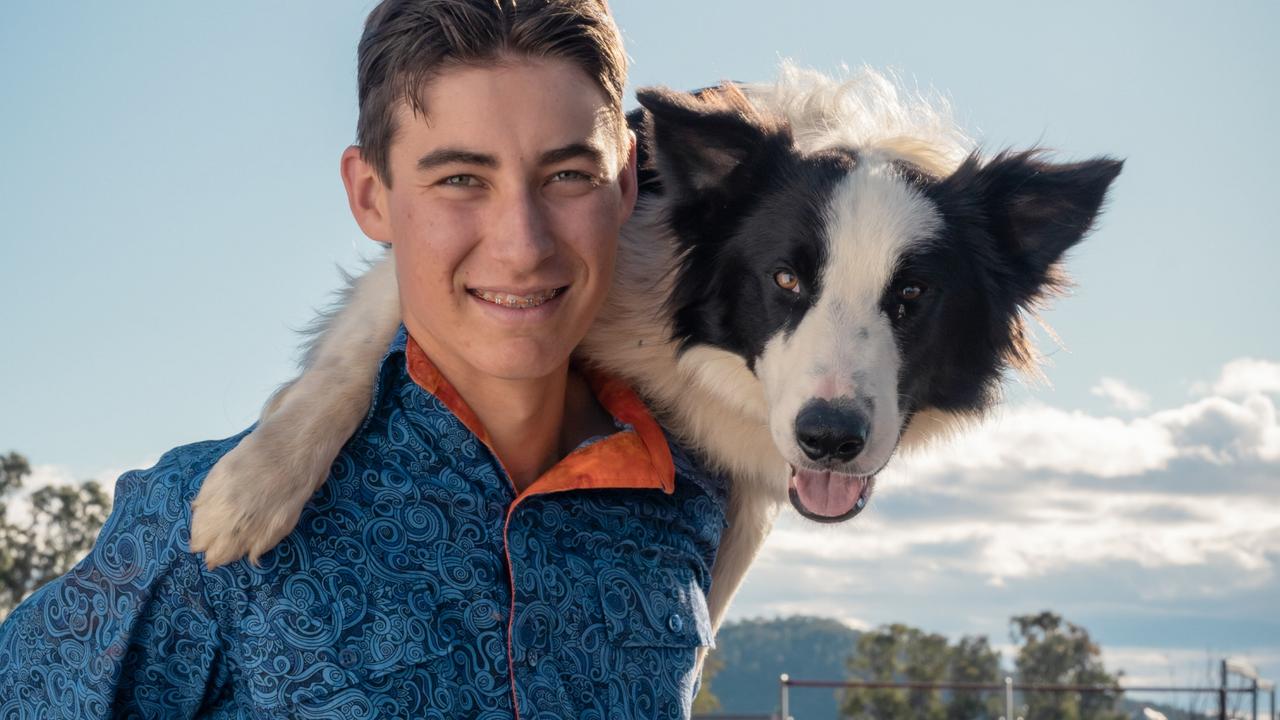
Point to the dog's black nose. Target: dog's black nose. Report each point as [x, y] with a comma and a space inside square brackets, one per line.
[831, 431]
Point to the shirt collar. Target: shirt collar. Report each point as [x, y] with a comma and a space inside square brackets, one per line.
[636, 458]
[394, 350]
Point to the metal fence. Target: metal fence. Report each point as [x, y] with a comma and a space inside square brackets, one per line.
[1253, 686]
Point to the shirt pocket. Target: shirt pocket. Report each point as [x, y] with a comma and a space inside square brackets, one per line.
[661, 607]
[655, 621]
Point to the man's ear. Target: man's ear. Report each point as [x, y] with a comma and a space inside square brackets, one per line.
[699, 141]
[1035, 210]
[628, 178]
[366, 195]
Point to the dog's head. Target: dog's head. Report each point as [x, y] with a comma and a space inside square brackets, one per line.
[870, 297]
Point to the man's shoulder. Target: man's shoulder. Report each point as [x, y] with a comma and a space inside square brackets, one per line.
[103, 635]
[164, 491]
[184, 468]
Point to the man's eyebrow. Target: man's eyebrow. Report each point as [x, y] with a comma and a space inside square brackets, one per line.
[459, 156]
[572, 151]
[451, 156]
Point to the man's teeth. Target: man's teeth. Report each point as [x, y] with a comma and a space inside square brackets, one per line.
[516, 301]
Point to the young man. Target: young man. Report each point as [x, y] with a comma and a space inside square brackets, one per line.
[505, 536]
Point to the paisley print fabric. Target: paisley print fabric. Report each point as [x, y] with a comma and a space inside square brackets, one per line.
[416, 585]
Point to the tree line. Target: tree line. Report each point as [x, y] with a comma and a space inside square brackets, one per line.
[63, 523]
[1050, 651]
[742, 672]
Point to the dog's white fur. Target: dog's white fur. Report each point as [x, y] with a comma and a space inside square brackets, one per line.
[706, 397]
[873, 223]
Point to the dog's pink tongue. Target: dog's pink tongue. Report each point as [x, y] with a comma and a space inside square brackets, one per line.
[826, 493]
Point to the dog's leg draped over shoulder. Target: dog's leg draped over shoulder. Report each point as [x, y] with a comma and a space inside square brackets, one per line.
[254, 495]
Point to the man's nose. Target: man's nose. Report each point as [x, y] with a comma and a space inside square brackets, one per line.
[521, 238]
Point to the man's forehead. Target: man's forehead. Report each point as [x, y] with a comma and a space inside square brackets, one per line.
[419, 132]
[555, 82]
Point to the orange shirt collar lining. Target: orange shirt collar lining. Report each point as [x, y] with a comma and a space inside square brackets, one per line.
[624, 460]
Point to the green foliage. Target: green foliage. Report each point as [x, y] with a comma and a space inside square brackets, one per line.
[64, 522]
[972, 660]
[1050, 650]
[898, 653]
[13, 468]
[706, 701]
[1054, 651]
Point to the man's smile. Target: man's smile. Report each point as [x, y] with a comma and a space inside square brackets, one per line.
[517, 300]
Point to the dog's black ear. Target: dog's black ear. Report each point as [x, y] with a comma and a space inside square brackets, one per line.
[700, 140]
[1034, 209]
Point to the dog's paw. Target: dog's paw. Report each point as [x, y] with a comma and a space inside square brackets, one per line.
[249, 501]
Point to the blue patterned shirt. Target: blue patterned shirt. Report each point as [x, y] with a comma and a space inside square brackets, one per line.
[418, 583]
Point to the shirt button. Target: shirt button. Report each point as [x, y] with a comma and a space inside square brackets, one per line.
[348, 657]
[676, 623]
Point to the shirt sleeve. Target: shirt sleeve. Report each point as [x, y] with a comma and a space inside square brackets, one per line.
[708, 516]
[128, 631]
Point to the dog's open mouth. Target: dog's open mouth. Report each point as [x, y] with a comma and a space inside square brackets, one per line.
[827, 496]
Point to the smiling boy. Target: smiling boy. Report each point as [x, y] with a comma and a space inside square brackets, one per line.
[506, 535]
[502, 205]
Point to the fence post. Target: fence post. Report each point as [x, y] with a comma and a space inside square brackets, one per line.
[784, 711]
[1008, 697]
[1255, 698]
[1222, 693]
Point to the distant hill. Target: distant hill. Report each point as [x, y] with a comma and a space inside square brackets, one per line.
[756, 652]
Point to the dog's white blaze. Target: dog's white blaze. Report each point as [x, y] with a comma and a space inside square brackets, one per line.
[844, 347]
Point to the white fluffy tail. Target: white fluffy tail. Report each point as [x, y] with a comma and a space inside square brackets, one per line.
[253, 496]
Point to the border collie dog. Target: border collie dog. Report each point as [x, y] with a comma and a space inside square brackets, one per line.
[819, 272]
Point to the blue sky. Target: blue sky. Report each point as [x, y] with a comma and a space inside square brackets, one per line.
[170, 210]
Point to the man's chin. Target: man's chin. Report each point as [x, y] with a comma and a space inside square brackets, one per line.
[495, 355]
[521, 359]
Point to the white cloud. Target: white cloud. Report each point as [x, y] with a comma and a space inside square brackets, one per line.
[1034, 437]
[1244, 376]
[1121, 395]
[1223, 430]
[1043, 530]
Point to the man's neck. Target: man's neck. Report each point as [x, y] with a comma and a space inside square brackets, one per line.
[524, 419]
[531, 422]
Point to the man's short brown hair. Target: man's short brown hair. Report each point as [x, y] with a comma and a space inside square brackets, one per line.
[406, 43]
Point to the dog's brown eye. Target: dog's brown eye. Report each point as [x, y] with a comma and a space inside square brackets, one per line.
[911, 292]
[787, 281]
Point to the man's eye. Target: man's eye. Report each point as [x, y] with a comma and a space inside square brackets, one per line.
[572, 176]
[461, 181]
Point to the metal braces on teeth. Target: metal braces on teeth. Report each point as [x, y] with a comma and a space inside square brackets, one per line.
[516, 301]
